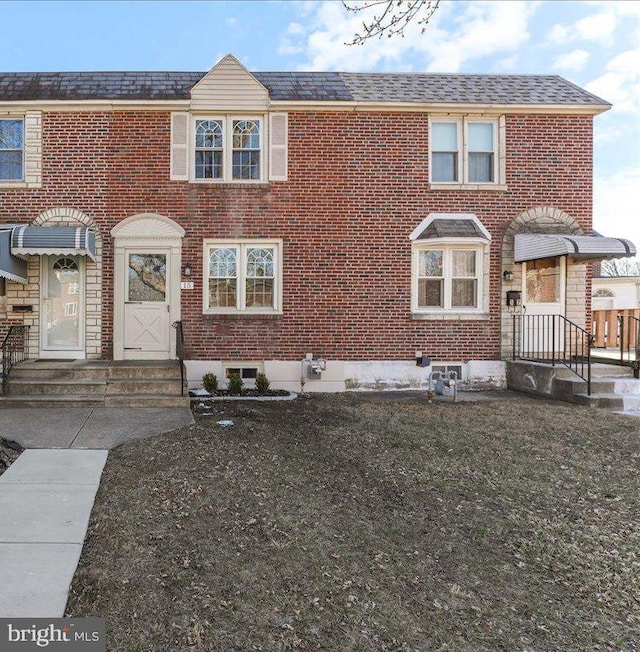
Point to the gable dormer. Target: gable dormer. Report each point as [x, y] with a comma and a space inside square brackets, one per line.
[229, 86]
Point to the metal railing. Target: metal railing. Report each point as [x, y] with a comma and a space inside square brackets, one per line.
[629, 341]
[180, 351]
[553, 339]
[15, 348]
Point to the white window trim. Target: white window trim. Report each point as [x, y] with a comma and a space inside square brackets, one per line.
[19, 183]
[451, 244]
[499, 143]
[242, 245]
[227, 150]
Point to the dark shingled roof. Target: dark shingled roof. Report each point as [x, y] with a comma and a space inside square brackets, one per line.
[322, 86]
[451, 228]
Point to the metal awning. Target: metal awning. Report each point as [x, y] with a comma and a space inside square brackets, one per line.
[57, 240]
[533, 246]
[11, 267]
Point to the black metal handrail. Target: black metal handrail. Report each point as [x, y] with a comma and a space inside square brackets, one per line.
[629, 341]
[553, 339]
[15, 348]
[180, 351]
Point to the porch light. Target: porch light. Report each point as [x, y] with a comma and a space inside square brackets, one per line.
[187, 269]
[507, 275]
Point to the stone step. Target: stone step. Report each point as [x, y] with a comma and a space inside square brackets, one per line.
[607, 400]
[607, 370]
[146, 369]
[66, 386]
[631, 402]
[157, 386]
[50, 371]
[53, 400]
[627, 386]
[147, 400]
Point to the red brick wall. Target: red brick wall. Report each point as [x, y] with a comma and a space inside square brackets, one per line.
[358, 186]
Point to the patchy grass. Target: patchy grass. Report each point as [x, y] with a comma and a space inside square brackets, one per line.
[342, 523]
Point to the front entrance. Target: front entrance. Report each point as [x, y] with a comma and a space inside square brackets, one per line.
[147, 319]
[62, 305]
[543, 296]
[147, 266]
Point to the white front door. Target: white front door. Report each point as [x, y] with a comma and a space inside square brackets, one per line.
[543, 295]
[62, 307]
[147, 318]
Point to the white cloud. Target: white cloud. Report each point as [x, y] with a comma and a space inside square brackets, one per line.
[571, 61]
[598, 27]
[456, 34]
[616, 201]
[620, 83]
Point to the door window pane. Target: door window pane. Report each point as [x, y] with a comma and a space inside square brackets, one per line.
[543, 281]
[147, 277]
[62, 319]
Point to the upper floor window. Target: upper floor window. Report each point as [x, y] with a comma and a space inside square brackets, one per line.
[228, 149]
[243, 276]
[11, 149]
[464, 150]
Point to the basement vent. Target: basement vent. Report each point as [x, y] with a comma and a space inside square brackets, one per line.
[446, 368]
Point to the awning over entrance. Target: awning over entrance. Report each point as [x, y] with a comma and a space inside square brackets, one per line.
[533, 246]
[11, 267]
[57, 240]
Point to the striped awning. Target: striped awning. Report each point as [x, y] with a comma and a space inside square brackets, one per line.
[533, 246]
[11, 267]
[57, 240]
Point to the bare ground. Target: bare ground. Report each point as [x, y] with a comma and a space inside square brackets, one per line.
[340, 523]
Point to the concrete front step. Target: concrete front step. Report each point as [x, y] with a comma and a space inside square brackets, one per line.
[68, 400]
[157, 386]
[149, 400]
[81, 383]
[607, 400]
[24, 386]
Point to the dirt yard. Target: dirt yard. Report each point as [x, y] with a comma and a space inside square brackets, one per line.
[342, 523]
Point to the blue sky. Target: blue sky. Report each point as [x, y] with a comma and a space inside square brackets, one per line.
[594, 44]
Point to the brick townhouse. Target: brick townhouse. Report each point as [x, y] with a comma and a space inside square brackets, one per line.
[357, 217]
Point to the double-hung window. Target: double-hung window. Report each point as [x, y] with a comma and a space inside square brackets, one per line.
[243, 277]
[465, 151]
[228, 148]
[11, 149]
[448, 278]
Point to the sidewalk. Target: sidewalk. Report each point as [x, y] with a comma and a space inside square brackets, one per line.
[47, 494]
[46, 498]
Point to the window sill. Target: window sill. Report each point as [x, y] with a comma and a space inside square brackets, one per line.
[229, 183]
[231, 316]
[16, 185]
[450, 316]
[495, 187]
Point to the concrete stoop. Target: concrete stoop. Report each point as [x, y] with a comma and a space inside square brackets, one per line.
[612, 387]
[95, 383]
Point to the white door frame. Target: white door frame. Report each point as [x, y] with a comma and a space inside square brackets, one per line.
[544, 334]
[50, 352]
[145, 231]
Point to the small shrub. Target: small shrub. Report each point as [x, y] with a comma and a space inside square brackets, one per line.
[210, 383]
[262, 383]
[234, 384]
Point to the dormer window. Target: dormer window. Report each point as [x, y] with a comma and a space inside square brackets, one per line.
[228, 148]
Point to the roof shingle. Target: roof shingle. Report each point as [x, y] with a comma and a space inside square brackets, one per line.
[311, 86]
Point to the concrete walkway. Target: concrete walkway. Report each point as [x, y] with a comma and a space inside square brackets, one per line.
[46, 498]
[88, 427]
[47, 494]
